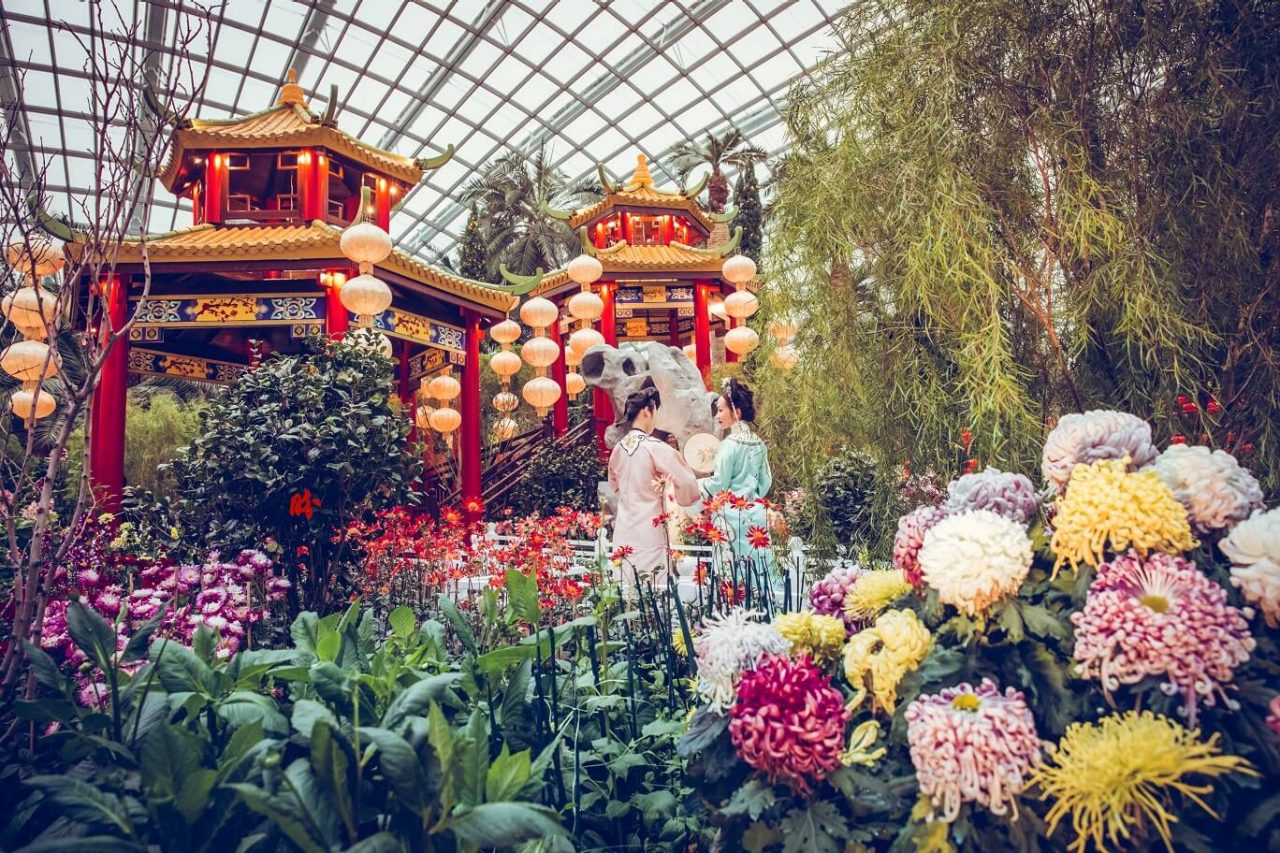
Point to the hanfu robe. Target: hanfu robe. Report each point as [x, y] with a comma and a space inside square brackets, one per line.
[741, 469]
[637, 466]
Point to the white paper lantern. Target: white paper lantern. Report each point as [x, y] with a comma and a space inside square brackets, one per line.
[574, 384]
[584, 339]
[585, 305]
[29, 361]
[366, 295]
[541, 393]
[31, 312]
[38, 254]
[445, 420]
[538, 313]
[572, 358]
[741, 304]
[28, 406]
[422, 417]
[691, 352]
[505, 401]
[540, 351]
[505, 363]
[506, 332]
[784, 357]
[505, 429]
[738, 269]
[444, 387]
[741, 340]
[782, 329]
[585, 269]
[365, 243]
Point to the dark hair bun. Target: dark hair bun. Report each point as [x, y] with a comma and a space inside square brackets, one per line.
[638, 401]
[740, 398]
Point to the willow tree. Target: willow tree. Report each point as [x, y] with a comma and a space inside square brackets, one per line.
[998, 211]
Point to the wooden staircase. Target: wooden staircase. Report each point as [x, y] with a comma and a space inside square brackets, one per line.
[507, 464]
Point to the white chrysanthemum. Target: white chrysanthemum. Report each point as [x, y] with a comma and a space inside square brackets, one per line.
[1253, 547]
[1094, 435]
[1213, 487]
[975, 558]
[729, 646]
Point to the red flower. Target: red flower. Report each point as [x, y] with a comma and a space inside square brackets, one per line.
[621, 553]
[1189, 408]
[1212, 407]
[700, 574]
[966, 439]
[789, 722]
[970, 466]
[473, 506]
[1178, 439]
[714, 535]
[1182, 400]
[739, 502]
[758, 537]
[451, 516]
[662, 519]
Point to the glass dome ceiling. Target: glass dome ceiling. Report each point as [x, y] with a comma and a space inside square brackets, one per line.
[587, 80]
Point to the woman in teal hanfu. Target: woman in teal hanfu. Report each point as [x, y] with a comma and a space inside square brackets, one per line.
[741, 478]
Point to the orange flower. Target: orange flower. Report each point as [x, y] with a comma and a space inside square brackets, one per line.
[758, 537]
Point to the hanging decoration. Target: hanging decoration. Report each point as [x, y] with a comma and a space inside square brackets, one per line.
[585, 306]
[782, 330]
[740, 305]
[444, 419]
[32, 313]
[575, 384]
[540, 352]
[366, 295]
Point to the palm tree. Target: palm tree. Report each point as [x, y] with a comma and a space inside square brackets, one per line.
[729, 148]
[509, 196]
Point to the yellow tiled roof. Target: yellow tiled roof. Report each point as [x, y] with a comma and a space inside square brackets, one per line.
[640, 192]
[286, 125]
[624, 258]
[213, 243]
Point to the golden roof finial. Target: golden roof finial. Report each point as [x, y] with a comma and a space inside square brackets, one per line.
[642, 177]
[291, 92]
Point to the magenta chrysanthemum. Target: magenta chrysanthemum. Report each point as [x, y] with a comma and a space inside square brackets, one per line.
[826, 598]
[1161, 617]
[910, 537]
[789, 722]
[972, 745]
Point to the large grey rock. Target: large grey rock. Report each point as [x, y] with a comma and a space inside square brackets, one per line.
[686, 403]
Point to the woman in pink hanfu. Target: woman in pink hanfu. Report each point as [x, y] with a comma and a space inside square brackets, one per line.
[638, 467]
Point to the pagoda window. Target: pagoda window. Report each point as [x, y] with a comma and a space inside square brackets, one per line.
[263, 187]
[649, 230]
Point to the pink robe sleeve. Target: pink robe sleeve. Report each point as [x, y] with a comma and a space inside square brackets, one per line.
[669, 462]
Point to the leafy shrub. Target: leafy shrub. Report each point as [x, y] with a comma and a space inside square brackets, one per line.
[844, 492]
[559, 478]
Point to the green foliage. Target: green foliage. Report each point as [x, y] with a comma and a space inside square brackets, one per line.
[746, 198]
[714, 151]
[321, 424]
[844, 492]
[995, 213]
[559, 478]
[471, 254]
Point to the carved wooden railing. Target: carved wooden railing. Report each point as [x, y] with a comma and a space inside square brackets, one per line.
[508, 462]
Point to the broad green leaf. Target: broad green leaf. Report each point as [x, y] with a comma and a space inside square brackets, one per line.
[305, 632]
[307, 712]
[271, 808]
[402, 621]
[44, 668]
[83, 803]
[242, 742]
[136, 649]
[522, 595]
[87, 844]
[243, 707]
[382, 842]
[507, 775]
[474, 764]
[752, 799]
[816, 828]
[441, 737]
[402, 769]
[415, 699]
[179, 670]
[503, 658]
[1042, 623]
[459, 623]
[194, 795]
[656, 805]
[92, 634]
[329, 645]
[331, 763]
[169, 755]
[505, 824]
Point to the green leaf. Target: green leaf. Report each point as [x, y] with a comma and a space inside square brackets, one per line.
[402, 622]
[414, 701]
[169, 755]
[507, 775]
[474, 765]
[92, 634]
[331, 683]
[656, 805]
[505, 824]
[179, 670]
[402, 769]
[243, 741]
[83, 803]
[382, 842]
[136, 649]
[331, 763]
[194, 796]
[274, 810]
[244, 707]
[459, 623]
[44, 668]
[752, 799]
[522, 594]
[329, 645]
[88, 844]
[307, 712]
[759, 837]
[44, 710]
[817, 828]
[1042, 622]
[503, 658]
[440, 736]
[1010, 622]
[662, 729]
[305, 632]
[705, 727]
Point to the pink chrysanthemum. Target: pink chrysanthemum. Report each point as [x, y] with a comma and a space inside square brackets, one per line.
[1161, 617]
[789, 722]
[972, 745]
[910, 537]
[826, 598]
[1273, 715]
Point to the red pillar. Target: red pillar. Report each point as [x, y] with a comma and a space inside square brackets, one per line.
[471, 423]
[106, 448]
[408, 400]
[215, 189]
[559, 372]
[336, 318]
[603, 407]
[319, 189]
[306, 188]
[382, 200]
[702, 330]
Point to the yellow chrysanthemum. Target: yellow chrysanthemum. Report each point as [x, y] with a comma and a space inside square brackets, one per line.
[862, 746]
[819, 637]
[873, 592]
[677, 641]
[879, 657]
[1118, 775]
[1106, 505]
